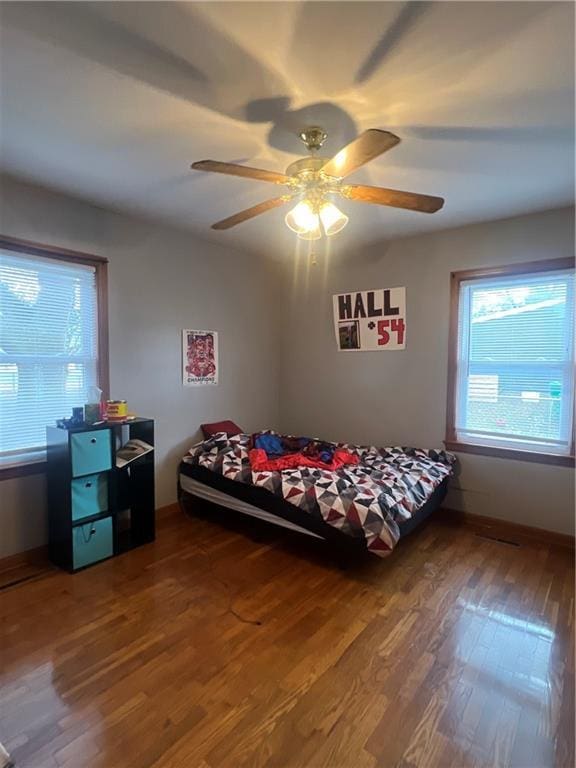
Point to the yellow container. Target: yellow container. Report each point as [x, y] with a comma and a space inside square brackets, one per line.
[116, 410]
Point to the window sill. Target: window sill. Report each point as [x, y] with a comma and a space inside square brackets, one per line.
[510, 453]
[26, 466]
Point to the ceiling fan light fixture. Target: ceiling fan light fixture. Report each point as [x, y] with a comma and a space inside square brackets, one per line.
[315, 233]
[302, 219]
[333, 220]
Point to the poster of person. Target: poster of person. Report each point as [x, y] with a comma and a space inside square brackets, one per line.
[370, 321]
[199, 357]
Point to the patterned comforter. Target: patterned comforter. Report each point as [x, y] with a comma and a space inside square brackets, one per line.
[366, 500]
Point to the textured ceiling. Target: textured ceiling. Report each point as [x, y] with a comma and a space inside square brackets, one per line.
[113, 101]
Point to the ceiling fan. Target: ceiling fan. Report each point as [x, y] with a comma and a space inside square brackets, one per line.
[314, 179]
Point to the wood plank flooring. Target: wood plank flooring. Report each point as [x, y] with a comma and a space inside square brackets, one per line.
[213, 648]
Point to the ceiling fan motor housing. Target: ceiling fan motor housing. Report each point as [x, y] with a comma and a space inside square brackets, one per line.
[307, 179]
[306, 166]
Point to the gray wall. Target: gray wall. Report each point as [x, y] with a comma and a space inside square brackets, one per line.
[390, 398]
[160, 281]
[163, 280]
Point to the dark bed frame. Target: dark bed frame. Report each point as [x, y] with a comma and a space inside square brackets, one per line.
[342, 545]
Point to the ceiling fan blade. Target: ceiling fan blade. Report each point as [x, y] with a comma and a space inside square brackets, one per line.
[231, 169]
[249, 213]
[393, 197]
[366, 147]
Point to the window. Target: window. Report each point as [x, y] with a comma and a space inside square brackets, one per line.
[511, 372]
[53, 342]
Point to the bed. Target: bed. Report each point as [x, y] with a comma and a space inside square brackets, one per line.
[365, 499]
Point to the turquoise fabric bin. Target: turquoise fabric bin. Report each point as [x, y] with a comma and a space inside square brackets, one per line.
[89, 495]
[91, 452]
[92, 542]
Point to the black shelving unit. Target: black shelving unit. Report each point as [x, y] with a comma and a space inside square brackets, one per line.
[96, 510]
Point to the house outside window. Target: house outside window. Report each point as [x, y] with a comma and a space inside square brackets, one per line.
[511, 370]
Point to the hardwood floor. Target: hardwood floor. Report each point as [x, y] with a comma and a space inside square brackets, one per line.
[211, 648]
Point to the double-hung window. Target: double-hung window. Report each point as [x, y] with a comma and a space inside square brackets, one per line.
[53, 342]
[511, 377]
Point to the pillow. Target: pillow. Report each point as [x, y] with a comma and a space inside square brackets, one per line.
[229, 427]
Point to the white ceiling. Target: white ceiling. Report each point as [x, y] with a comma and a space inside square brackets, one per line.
[113, 101]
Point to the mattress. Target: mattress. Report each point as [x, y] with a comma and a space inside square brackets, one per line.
[202, 485]
[365, 493]
[214, 496]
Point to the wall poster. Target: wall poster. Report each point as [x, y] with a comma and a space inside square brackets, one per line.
[199, 357]
[370, 320]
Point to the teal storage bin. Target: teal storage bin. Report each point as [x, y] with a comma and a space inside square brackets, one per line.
[89, 495]
[91, 452]
[92, 542]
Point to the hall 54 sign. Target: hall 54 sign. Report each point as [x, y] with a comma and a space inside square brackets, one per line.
[370, 320]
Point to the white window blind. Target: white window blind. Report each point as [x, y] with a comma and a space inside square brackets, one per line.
[515, 364]
[48, 346]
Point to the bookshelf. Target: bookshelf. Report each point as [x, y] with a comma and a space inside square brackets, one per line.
[96, 510]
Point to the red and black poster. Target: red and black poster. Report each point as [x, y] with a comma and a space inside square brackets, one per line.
[199, 357]
[370, 321]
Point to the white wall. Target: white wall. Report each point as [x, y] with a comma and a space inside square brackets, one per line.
[391, 398]
[160, 281]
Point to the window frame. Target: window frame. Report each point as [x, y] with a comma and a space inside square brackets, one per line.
[451, 442]
[100, 264]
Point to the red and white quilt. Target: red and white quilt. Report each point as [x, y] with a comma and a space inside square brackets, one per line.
[368, 499]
